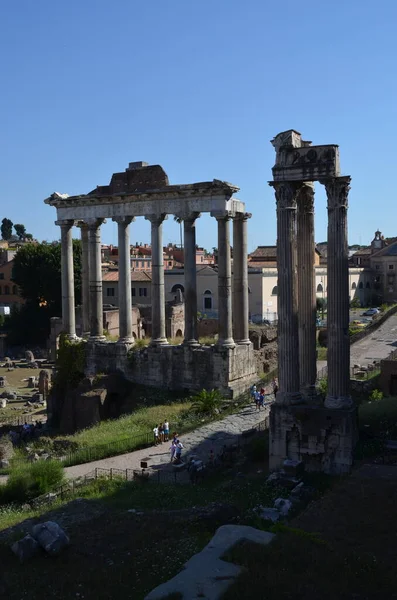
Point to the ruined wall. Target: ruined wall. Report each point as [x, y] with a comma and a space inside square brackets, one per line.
[177, 367]
[207, 327]
[174, 320]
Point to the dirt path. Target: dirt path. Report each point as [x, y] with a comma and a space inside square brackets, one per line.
[200, 442]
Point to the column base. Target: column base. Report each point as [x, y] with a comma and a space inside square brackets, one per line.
[338, 402]
[159, 342]
[191, 343]
[289, 398]
[245, 342]
[228, 343]
[86, 335]
[97, 338]
[126, 340]
[310, 395]
[72, 337]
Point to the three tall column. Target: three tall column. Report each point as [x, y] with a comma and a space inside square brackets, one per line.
[297, 369]
[125, 299]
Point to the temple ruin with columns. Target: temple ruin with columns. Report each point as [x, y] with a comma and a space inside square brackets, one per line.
[302, 427]
[144, 191]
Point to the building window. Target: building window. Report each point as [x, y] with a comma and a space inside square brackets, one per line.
[320, 287]
[368, 285]
[354, 285]
[274, 291]
[179, 286]
[377, 267]
[143, 291]
[132, 291]
[360, 285]
[391, 267]
[110, 292]
[6, 290]
[1, 291]
[207, 300]
[1, 275]
[170, 263]
[15, 290]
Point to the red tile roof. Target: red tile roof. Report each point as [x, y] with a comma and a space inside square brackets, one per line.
[135, 276]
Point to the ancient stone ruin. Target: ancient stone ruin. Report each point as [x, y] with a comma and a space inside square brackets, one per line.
[145, 191]
[302, 428]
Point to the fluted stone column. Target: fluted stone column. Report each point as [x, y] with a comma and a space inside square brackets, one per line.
[240, 279]
[338, 354]
[124, 289]
[67, 279]
[95, 281]
[306, 292]
[189, 243]
[158, 297]
[288, 344]
[85, 274]
[225, 339]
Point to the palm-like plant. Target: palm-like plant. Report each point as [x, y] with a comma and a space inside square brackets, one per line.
[206, 402]
[179, 220]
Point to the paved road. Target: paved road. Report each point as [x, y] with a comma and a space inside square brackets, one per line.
[201, 441]
[375, 346]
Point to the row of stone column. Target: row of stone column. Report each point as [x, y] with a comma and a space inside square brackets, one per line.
[92, 301]
[297, 369]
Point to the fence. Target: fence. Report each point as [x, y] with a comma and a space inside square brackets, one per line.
[144, 475]
[355, 372]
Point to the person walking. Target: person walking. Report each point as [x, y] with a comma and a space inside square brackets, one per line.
[161, 433]
[166, 426]
[178, 452]
[156, 435]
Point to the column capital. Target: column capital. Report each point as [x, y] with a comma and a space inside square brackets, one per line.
[156, 218]
[65, 223]
[224, 215]
[123, 220]
[337, 189]
[94, 223]
[82, 224]
[286, 193]
[187, 215]
[306, 198]
[239, 216]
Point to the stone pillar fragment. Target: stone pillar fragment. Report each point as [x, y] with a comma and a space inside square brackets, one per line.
[306, 292]
[225, 339]
[125, 300]
[288, 344]
[95, 281]
[189, 233]
[85, 274]
[158, 296]
[240, 279]
[67, 279]
[338, 354]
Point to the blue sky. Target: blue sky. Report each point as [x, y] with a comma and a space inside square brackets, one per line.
[200, 88]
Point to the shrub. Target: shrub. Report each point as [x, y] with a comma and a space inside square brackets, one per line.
[207, 402]
[375, 396]
[27, 481]
[355, 303]
[322, 387]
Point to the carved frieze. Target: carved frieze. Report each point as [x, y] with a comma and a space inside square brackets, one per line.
[308, 163]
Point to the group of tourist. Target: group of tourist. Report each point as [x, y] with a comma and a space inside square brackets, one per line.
[161, 432]
[258, 396]
[27, 432]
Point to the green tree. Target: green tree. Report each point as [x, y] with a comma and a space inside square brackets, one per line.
[37, 272]
[20, 230]
[6, 229]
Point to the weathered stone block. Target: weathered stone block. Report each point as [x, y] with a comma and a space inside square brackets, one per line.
[50, 536]
[25, 548]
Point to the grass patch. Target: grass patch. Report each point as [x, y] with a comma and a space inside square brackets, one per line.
[321, 353]
[27, 481]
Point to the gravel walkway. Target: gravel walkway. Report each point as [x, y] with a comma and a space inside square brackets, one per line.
[200, 441]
